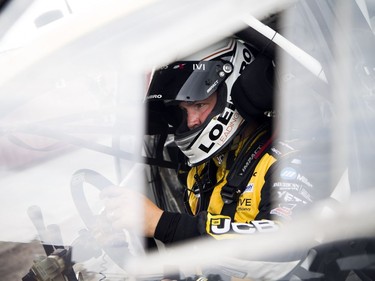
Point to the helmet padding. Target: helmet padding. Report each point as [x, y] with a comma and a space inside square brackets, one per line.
[253, 92]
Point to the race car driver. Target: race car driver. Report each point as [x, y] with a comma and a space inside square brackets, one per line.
[242, 180]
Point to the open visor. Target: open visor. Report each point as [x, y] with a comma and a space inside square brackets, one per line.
[188, 80]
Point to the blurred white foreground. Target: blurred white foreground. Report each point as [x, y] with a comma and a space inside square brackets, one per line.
[72, 79]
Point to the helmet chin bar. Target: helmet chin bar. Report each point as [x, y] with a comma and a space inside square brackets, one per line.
[213, 138]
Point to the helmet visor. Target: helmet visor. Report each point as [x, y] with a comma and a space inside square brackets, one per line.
[188, 80]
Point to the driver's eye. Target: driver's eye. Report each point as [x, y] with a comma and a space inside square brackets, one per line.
[199, 105]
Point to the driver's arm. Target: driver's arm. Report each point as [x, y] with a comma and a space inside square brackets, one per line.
[175, 227]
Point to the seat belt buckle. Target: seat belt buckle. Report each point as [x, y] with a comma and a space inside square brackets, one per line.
[230, 194]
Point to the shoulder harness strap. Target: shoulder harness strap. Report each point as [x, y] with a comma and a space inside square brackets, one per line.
[243, 167]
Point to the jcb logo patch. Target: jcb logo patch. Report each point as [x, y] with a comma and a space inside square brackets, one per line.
[224, 225]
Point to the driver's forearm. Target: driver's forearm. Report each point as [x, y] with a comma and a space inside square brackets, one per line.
[174, 227]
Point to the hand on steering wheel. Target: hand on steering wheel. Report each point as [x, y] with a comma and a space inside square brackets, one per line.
[118, 243]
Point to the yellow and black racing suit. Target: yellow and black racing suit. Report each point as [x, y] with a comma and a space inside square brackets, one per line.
[276, 190]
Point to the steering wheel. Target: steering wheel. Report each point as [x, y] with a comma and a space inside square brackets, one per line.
[119, 245]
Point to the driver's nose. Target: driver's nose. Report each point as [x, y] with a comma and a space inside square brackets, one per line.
[193, 119]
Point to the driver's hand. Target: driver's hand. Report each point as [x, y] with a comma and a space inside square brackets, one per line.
[131, 210]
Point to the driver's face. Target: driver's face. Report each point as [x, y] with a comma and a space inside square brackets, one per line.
[198, 111]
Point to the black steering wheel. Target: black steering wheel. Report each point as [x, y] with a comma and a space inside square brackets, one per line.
[117, 247]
